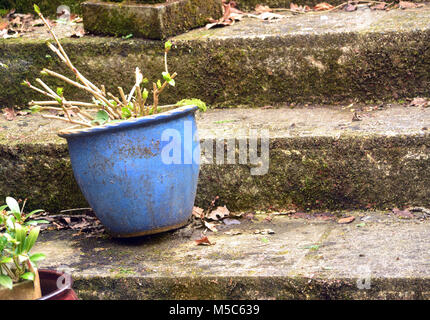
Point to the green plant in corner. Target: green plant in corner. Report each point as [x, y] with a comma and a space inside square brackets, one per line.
[111, 108]
[17, 238]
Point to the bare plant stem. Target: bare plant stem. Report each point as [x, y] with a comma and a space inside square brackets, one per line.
[53, 103]
[124, 100]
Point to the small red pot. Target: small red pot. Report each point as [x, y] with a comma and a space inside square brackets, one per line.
[50, 289]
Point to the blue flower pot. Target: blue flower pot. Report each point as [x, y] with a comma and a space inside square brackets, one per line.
[140, 175]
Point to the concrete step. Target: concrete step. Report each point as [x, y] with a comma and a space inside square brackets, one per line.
[378, 256]
[316, 158]
[49, 7]
[149, 21]
[327, 57]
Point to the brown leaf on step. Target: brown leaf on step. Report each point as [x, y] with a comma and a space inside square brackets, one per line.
[79, 33]
[296, 8]
[231, 14]
[198, 212]
[350, 7]
[409, 5]
[219, 213]
[9, 114]
[259, 8]
[419, 102]
[346, 220]
[403, 214]
[267, 16]
[211, 226]
[204, 242]
[4, 24]
[379, 6]
[75, 19]
[323, 6]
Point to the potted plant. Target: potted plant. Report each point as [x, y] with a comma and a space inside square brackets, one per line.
[136, 164]
[19, 277]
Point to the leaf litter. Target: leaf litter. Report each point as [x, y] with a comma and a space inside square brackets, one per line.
[231, 14]
[14, 25]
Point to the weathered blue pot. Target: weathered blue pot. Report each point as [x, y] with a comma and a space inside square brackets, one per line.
[140, 175]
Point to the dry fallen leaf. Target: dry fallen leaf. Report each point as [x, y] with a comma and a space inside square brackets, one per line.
[211, 226]
[267, 16]
[219, 213]
[350, 7]
[419, 102]
[204, 241]
[259, 8]
[323, 6]
[346, 220]
[296, 8]
[79, 33]
[231, 14]
[198, 212]
[403, 214]
[409, 5]
[9, 114]
[379, 6]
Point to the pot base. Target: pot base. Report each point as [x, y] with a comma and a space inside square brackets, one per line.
[148, 232]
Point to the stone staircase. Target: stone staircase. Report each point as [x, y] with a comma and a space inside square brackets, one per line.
[299, 79]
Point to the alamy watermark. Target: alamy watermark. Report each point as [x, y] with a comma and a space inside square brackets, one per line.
[250, 148]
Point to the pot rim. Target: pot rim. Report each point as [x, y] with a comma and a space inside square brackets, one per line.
[58, 291]
[130, 123]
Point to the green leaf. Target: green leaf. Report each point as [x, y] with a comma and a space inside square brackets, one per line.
[5, 281]
[171, 82]
[20, 235]
[127, 36]
[101, 117]
[6, 260]
[10, 223]
[145, 94]
[3, 207]
[12, 204]
[158, 84]
[166, 76]
[37, 9]
[31, 239]
[125, 112]
[28, 276]
[60, 91]
[37, 257]
[35, 109]
[167, 45]
[59, 100]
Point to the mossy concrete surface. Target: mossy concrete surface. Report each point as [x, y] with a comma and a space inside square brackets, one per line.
[328, 57]
[150, 21]
[379, 258]
[317, 159]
